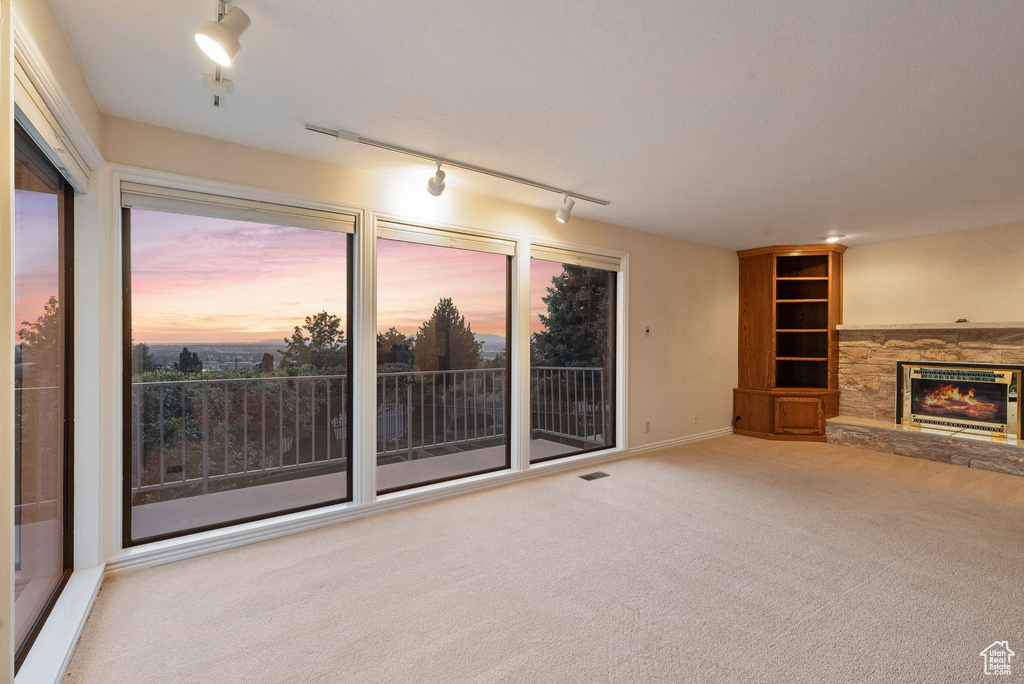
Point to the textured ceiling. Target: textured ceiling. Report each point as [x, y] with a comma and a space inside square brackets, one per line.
[728, 122]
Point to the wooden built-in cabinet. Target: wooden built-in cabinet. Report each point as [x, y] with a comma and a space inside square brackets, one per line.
[790, 305]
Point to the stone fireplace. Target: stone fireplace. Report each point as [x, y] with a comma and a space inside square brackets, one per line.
[944, 392]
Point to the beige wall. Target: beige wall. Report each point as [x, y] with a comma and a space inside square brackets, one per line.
[685, 292]
[973, 274]
[46, 31]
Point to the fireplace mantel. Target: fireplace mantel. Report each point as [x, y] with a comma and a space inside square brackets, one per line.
[1009, 325]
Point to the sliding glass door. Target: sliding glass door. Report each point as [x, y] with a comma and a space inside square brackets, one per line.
[42, 387]
[442, 359]
[238, 393]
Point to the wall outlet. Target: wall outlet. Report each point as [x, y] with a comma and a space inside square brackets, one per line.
[695, 418]
[647, 331]
[647, 426]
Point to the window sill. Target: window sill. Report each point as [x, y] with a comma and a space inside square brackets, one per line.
[51, 652]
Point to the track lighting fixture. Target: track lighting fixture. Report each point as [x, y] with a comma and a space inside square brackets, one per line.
[219, 39]
[565, 213]
[435, 186]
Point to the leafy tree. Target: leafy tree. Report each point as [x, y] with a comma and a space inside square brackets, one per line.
[188, 363]
[576, 325]
[394, 347]
[39, 344]
[45, 332]
[446, 341]
[322, 349]
[267, 362]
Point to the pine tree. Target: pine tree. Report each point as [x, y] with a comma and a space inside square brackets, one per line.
[189, 363]
[446, 341]
[267, 362]
[577, 324]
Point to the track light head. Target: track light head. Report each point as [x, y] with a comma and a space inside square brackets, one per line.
[565, 213]
[435, 186]
[219, 39]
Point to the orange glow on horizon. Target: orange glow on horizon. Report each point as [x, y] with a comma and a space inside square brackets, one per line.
[205, 280]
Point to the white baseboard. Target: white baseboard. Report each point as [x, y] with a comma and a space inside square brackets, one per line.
[51, 652]
[681, 440]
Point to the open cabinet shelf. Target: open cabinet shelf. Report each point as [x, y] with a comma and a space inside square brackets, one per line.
[790, 304]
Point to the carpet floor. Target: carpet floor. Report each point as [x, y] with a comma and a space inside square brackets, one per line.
[728, 560]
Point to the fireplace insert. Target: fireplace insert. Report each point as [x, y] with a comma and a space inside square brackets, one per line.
[959, 397]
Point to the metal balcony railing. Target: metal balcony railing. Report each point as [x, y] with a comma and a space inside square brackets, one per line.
[201, 433]
[423, 410]
[569, 402]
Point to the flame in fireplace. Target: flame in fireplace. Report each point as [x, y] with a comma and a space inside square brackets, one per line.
[951, 398]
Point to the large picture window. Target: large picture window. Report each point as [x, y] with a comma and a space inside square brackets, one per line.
[572, 355]
[238, 392]
[42, 387]
[442, 359]
[238, 358]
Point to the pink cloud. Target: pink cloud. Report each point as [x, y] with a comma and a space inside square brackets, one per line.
[412, 278]
[197, 279]
[212, 280]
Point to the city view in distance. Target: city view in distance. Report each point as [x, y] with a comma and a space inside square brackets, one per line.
[240, 356]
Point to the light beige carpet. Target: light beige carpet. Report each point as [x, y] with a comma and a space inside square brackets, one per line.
[731, 560]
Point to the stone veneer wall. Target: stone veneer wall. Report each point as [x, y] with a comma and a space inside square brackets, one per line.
[867, 359]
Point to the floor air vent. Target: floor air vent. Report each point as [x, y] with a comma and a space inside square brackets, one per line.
[593, 476]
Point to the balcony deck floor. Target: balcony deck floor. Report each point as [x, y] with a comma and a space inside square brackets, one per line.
[150, 520]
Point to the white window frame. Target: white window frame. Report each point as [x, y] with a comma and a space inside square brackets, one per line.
[365, 500]
[612, 260]
[45, 112]
[247, 197]
[240, 204]
[35, 99]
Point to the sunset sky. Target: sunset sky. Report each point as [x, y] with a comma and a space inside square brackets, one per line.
[197, 279]
[36, 254]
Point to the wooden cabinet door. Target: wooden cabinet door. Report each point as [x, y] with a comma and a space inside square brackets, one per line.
[799, 416]
[752, 411]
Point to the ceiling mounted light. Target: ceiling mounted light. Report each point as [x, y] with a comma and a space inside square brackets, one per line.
[833, 238]
[435, 186]
[219, 39]
[565, 213]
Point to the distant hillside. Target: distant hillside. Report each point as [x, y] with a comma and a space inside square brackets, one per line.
[229, 355]
[493, 344]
